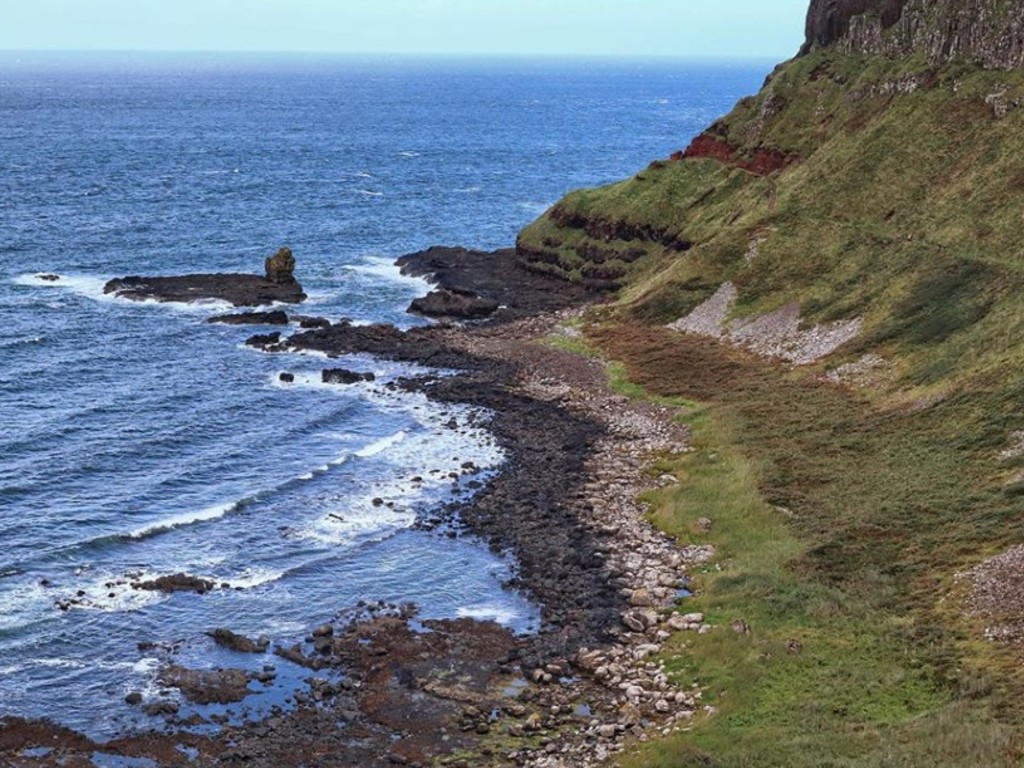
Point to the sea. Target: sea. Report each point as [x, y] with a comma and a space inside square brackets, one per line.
[138, 441]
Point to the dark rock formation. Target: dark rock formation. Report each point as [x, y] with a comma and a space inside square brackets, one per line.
[986, 32]
[277, 317]
[178, 582]
[264, 339]
[240, 290]
[311, 322]
[343, 376]
[228, 639]
[457, 303]
[502, 279]
[280, 267]
[218, 686]
[828, 21]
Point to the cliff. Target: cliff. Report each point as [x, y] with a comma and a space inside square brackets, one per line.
[986, 32]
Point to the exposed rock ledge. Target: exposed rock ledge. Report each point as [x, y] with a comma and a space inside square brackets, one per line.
[777, 334]
[241, 290]
[987, 32]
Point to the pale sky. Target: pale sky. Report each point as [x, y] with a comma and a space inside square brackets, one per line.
[728, 28]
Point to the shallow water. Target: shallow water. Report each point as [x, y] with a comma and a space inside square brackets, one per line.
[137, 441]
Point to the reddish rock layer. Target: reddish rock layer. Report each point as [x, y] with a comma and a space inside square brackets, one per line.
[762, 161]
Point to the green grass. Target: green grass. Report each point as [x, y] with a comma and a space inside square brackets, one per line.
[840, 527]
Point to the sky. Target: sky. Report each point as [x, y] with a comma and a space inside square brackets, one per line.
[689, 28]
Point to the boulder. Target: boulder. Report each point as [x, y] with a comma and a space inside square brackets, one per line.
[343, 376]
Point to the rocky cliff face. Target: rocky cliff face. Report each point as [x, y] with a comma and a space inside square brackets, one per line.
[987, 32]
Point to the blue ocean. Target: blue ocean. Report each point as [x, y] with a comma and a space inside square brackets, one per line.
[138, 441]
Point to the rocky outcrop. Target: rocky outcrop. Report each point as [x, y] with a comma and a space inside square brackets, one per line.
[216, 686]
[986, 32]
[477, 284]
[178, 582]
[461, 304]
[235, 642]
[281, 267]
[344, 376]
[828, 21]
[277, 317]
[240, 290]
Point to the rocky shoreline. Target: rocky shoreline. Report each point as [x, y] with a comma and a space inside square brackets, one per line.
[565, 506]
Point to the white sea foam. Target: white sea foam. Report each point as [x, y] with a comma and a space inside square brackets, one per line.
[370, 193]
[91, 287]
[311, 380]
[22, 604]
[85, 285]
[357, 519]
[379, 446]
[489, 612]
[111, 593]
[379, 267]
[19, 342]
[183, 519]
[409, 153]
[309, 353]
[251, 578]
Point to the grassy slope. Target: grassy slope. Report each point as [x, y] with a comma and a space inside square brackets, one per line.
[840, 527]
[841, 518]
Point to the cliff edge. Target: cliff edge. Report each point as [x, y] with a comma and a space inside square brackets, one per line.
[986, 32]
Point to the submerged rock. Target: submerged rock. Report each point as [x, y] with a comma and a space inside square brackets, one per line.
[178, 582]
[277, 317]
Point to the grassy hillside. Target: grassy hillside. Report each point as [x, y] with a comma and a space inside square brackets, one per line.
[859, 187]
[905, 207]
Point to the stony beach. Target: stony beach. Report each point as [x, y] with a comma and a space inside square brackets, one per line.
[384, 689]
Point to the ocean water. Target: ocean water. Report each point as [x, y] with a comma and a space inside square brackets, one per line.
[137, 441]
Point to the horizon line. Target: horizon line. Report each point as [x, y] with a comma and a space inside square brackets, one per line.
[410, 54]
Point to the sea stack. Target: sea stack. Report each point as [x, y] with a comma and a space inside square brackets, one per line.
[281, 267]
